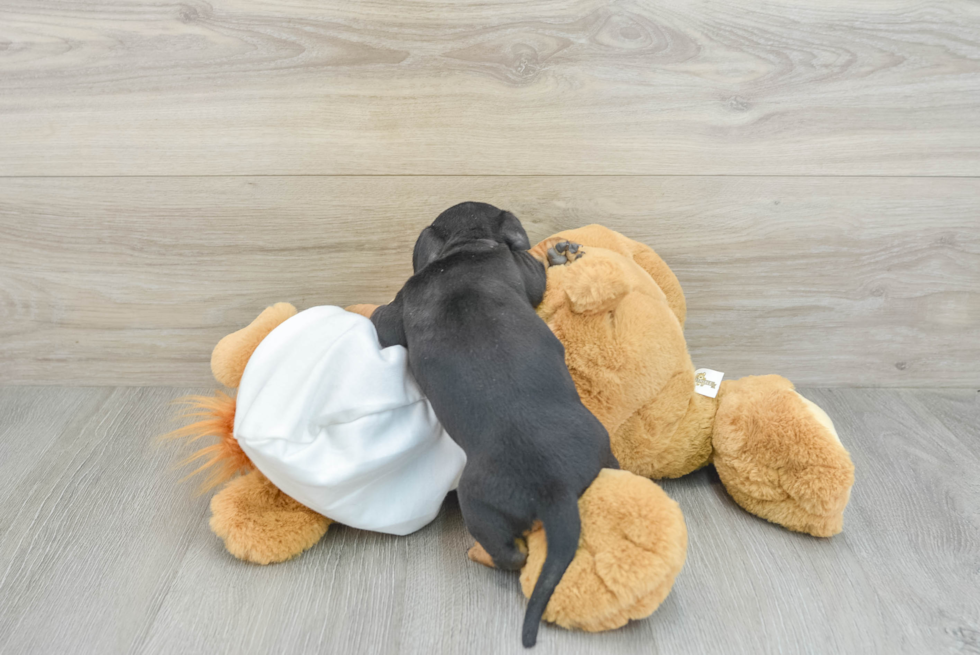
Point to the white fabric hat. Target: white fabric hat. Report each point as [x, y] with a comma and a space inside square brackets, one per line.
[339, 424]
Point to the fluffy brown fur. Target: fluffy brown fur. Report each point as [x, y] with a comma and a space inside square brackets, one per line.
[779, 456]
[627, 355]
[261, 524]
[619, 312]
[633, 545]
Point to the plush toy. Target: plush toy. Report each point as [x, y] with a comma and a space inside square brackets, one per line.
[343, 445]
[619, 311]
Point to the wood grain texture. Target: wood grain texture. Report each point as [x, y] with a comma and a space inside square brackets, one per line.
[867, 282]
[34, 420]
[95, 528]
[134, 87]
[102, 552]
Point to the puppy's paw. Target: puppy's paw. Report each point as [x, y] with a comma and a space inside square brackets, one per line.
[478, 554]
[564, 252]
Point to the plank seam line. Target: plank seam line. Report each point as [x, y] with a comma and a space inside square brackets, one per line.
[507, 175]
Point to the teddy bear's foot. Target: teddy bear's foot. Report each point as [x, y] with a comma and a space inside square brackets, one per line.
[229, 357]
[633, 545]
[779, 456]
[261, 524]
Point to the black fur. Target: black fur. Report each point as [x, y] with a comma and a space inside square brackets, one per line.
[497, 380]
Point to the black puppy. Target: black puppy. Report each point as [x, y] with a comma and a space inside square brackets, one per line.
[497, 380]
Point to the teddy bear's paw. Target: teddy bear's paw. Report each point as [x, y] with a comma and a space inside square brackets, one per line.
[564, 252]
[632, 547]
[261, 524]
[779, 456]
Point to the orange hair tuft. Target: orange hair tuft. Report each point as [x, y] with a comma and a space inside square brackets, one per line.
[224, 459]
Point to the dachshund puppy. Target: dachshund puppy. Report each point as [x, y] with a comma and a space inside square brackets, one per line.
[496, 377]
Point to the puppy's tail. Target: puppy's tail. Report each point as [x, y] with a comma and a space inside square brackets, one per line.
[562, 527]
[224, 458]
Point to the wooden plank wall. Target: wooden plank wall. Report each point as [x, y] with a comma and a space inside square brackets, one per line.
[810, 170]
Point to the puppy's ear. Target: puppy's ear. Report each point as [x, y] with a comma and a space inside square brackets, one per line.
[512, 232]
[427, 248]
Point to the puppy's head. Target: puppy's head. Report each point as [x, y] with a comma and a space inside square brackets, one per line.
[468, 221]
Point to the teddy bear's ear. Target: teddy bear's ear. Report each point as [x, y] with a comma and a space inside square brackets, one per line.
[229, 357]
[595, 284]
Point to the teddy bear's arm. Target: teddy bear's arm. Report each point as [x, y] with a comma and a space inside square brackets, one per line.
[388, 322]
[599, 236]
[651, 262]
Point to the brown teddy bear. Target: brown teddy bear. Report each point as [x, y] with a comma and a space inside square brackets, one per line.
[619, 311]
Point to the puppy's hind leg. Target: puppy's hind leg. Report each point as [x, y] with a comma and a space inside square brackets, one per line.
[506, 551]
[496, 534]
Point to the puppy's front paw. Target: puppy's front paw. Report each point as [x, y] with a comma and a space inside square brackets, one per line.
[564, 252]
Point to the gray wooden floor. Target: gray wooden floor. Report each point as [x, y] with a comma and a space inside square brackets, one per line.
[101, 552]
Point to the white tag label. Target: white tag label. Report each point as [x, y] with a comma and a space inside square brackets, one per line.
[707, 382]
